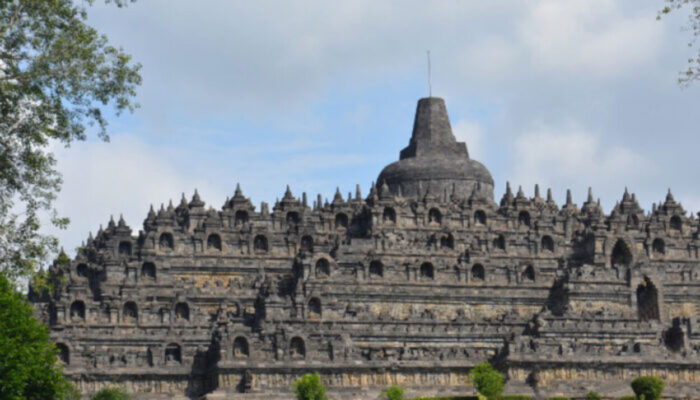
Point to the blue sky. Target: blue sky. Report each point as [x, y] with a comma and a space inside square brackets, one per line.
[318, 94]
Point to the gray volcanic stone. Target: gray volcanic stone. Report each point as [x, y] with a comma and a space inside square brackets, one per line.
[412, 285]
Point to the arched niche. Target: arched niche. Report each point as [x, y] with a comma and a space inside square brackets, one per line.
[130, 312]
[240, 218]
[427, 271]
[77, 311]
[447, 241]
[166, 241]
[173, 354]
[676, 223]
[434, 216]
[148, 270]
[314, 309]
[479, 217]
[82, 270]
[647, 300]
[323, 268]
[658, 247]
[499, 243]
[182, 311]
[341, 221]
[214, 242]
[524, 218]
[376, 269]
[547, 244]
[125, 248]
[260, 244]
[674, 337]
[293, 219]
[621, 254]
[240, 347]
[389, 215]
[478, 274]
[528, 274]
[297, 348]
[63, 354]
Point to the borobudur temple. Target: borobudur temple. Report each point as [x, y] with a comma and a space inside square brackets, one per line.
[412, 284]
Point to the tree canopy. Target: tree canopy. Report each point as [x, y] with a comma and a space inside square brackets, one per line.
[28, 367]
[58, 78]
[691, 74]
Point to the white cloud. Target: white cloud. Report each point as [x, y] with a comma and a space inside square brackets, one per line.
[471, 133]
[576, 158]
[588, 37]
[124, 177]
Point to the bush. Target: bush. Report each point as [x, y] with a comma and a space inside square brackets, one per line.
[593, 396]
[309, 387]
[649, 386]
[558, 398]
[487, 380]
[111, 393]
[628, 398]
[510, 397]
[393, 393]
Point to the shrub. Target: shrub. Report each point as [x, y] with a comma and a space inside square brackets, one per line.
[649, 386]
[628, 398]
[393, 393]
[111, 393]
[487, 380]
[510, 397]
[593, 396]
[309, 387]
[558, 398]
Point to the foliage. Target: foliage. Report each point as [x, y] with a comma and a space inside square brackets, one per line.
[628, 398]
[693, 72]
[28, 367]
[558, 398]
[510, 397]
[111, 393]
[487, 380]
[58, 76]
[593, 396]
[392, 393]
[309, 387]
[648, 386]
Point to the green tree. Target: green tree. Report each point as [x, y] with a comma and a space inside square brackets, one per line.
[593, 396]
[393, 393]
[58, 77]
[28, 367]
[309, 387]
[691, 74]
[648, 386]
[111, 393]
[487, 380]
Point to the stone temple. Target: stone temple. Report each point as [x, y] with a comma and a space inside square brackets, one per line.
[413, 285]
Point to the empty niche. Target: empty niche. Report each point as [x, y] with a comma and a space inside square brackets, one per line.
[547, 244]
[427, 271]
[621, 254]
[434, 216]
[478, 274]
[447, 241]
[130, 312]
[524, 218]
[82, 270]
[389, 215]
[240, 218]
[124, 248]
[166, 241]
[499, 243]
[148, 270]
[260, 244]
[376, 269]
[675, 223]
[341, 221]
[240, 347]
[63, 353]
[307, 244]
[323, 268]
[658, 247]
[529, 274]
[77, 311]
[214, 242]
[647, 300]
[297, 349]
[314, 310]
[293, 219]
[182, 312]
[674, 337]
[173, 354]
[479, 217]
